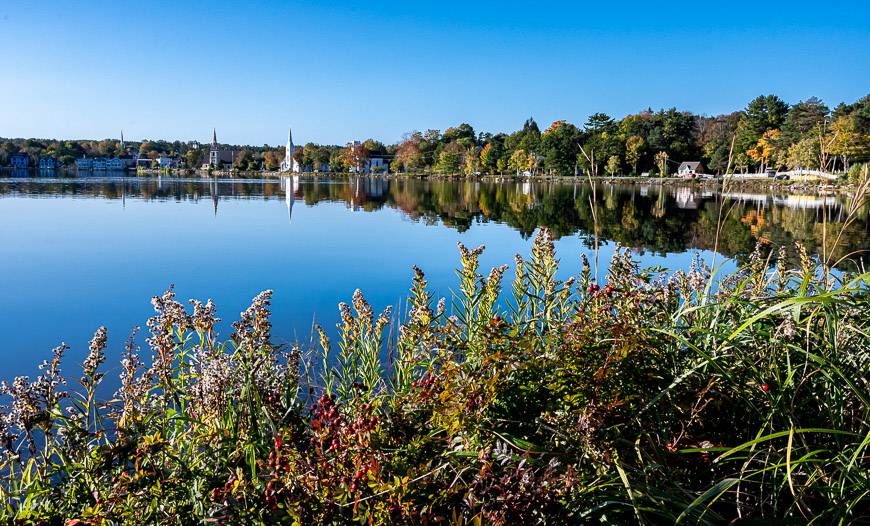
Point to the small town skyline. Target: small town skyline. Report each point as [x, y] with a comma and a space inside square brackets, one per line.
[767, 135]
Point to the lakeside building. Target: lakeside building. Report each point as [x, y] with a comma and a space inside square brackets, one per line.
[19, 160]
[689, 169]
[376, 163]
[48, 163]
[218, 156]
[289, 164]
[84, 163]
[123, 161]
[101, 164]
[165, 161]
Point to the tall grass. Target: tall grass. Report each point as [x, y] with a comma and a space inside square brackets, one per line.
[650, 398]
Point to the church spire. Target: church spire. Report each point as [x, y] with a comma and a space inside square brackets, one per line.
[214, 135]
[288, 164]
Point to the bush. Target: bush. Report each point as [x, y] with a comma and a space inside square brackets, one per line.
[858, 173]
[651, 399]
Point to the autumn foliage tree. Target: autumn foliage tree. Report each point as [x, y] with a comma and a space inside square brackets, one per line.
[765, 149]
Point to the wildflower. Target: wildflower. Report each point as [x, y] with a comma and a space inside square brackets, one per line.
[254, 330]
[204, 318]
[765, 387]
[171, 316]
[362, 307]
[95, 358]
[133, 388]
[383, 319]
[215, 382]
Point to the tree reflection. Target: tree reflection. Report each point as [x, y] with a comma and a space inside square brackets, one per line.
[663, 220]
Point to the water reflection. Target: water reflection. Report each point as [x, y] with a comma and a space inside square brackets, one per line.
[645, 217]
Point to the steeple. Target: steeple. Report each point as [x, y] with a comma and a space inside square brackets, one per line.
[214, 136]
[122, 141]
[287, 165]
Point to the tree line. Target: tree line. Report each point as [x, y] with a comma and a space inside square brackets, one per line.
[767, 133]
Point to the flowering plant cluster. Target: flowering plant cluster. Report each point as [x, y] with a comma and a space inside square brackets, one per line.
[645, 398]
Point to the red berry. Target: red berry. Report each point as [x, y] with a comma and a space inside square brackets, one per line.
[765, 387]
[496, 319]
[593, 288]
[608, 290]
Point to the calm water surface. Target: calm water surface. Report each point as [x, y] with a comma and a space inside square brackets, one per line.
[81, 252]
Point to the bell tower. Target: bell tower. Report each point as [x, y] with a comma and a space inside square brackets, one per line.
[288, 164]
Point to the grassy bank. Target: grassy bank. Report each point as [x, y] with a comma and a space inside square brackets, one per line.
[647, 398]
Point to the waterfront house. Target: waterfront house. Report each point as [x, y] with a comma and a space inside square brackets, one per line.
[689, 169]
[128, 160]
[164, 161]
[84, 164]
[19, 160]
[98, 164]
[115, 163]
[48, 163]
[377, 164]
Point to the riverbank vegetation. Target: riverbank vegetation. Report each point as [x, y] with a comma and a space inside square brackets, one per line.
[632, 396]
[767, 133]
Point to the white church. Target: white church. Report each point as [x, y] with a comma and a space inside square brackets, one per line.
[289, 164]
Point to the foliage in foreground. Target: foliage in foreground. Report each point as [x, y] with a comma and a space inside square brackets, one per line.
[651, 399]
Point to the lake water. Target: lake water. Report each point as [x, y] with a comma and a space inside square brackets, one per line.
[81, 252]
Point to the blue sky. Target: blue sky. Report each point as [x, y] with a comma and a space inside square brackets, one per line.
[345, 70]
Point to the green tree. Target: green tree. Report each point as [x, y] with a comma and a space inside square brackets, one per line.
[848, 141]
[613, 165]
[463, 134]
[804, 154]
[559, 147]
[766, 112]
[520, 161]
[633, 148]
[471, 161]
[449, 160]
[192, 158]
[803, 119]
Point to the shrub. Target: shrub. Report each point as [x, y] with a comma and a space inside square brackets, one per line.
[648, 398]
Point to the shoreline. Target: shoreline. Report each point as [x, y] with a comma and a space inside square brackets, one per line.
[757, 184]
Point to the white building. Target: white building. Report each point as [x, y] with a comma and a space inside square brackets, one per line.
[689, 169]
[289, 164]
[377, 164]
